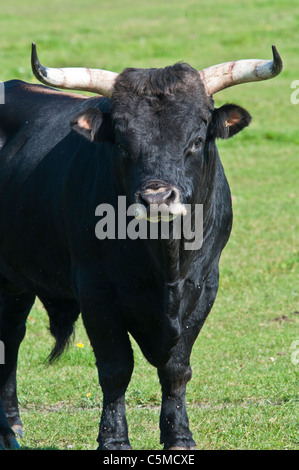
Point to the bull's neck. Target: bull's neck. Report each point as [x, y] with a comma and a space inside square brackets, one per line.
[170, 259]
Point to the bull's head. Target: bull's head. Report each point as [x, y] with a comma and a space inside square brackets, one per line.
[163, 123]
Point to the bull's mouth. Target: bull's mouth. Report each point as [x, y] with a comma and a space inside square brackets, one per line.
[157, 213]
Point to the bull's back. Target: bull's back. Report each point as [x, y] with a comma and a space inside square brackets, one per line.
[37, 148]
[25, 103]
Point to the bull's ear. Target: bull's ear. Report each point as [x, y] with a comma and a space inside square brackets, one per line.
[228, 121]
[93, 125]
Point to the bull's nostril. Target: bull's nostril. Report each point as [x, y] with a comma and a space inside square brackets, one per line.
[173, 196]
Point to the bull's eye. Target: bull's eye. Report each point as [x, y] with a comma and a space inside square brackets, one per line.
[195, 146]
[197, 143]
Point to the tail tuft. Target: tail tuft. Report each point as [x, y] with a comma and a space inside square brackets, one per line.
[63, 338]
[62, 315]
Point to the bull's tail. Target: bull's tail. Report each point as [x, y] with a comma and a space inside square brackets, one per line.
[63, 335]
[62, 315]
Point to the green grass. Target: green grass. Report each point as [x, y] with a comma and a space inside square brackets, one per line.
[243, 394]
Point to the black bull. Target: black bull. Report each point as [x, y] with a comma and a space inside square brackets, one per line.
[152, 142]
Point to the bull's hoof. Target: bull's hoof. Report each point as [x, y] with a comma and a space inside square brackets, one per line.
[9, 442]
[18, 430]
[115, 446]
[16, 425]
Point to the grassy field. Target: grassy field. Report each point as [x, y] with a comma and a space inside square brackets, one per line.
[244, 393]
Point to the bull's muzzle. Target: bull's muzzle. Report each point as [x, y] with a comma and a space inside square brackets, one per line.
[157, 200]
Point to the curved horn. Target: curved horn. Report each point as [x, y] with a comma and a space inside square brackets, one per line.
[74, 78]
[221, 76]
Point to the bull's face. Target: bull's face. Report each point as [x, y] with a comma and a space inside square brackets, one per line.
[163, 124]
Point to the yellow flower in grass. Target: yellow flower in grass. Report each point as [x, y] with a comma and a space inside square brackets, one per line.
[80, 345]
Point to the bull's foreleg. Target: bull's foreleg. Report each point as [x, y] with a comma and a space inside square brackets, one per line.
[114, 359]
[14, 310]
[174, 376]
[174, 423]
